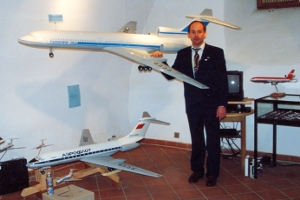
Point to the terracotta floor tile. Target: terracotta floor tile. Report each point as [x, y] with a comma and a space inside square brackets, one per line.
[112, 193]
[247, 196]
[215, 191]
[165, 196]
[160, 188]
[291, 192]
[280, 182]
[136, 191]
[272, 194]
[237, 189]
[190, 194]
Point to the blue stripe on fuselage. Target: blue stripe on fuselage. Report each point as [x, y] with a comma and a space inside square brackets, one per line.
[104, 44]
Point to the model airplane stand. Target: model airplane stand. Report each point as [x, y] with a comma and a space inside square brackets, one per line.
[41, 178]
[70, 192]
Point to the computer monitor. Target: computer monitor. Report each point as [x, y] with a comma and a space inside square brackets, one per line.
[235, 85]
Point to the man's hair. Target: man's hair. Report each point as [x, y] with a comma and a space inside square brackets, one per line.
[189, 28]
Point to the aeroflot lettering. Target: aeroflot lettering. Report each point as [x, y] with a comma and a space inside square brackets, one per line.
[74, 153]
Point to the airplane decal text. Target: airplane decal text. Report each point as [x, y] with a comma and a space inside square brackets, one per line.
[74, 153]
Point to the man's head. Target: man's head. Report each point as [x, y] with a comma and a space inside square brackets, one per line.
[197, 33]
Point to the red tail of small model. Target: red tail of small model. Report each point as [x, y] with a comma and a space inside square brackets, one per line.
[291, 74]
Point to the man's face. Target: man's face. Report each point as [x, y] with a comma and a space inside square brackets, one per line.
[197, 34]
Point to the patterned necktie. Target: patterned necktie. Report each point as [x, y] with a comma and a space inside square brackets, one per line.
[196, 60]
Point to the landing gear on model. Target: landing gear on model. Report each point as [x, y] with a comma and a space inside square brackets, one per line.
[144, 68]
[51, 54]
[111, 169]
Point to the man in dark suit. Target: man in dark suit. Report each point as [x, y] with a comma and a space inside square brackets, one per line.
[205, 108]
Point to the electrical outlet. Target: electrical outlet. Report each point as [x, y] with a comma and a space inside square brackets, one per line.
[176, 134]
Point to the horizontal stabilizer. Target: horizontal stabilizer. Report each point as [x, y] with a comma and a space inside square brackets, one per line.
[148, 118]
[206, 16]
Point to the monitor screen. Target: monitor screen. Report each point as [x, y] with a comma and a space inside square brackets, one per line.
[233, 83]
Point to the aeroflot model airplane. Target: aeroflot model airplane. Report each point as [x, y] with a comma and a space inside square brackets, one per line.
[99, 154]
[126, 43]
[275, 79]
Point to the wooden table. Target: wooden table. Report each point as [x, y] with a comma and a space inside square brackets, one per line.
[240, 117]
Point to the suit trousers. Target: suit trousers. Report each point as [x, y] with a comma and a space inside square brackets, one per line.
[197, 122]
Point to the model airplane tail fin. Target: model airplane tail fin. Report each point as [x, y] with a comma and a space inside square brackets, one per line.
[140, 130]
[184, 30]
[130, 27]
[291, 74]
[206, 17]
[86, 138]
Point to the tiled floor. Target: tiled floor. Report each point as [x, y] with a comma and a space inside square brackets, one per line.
[280, 182]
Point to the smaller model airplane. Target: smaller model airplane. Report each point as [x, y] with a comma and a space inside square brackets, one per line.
[1, 140]
[100, 154]
[9, 146]
[42, 145]
[67, 178]
[275, 79]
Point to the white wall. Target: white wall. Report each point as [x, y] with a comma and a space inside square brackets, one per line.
[34, 103]
[268, 44]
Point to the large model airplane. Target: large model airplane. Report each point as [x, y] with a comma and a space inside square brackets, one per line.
[274, 80]
[126, 43]
[99, 154]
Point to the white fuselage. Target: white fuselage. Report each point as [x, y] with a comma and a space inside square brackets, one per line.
[76, 154]
[98, 41]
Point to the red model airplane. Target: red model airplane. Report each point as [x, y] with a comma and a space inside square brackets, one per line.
[275, 79]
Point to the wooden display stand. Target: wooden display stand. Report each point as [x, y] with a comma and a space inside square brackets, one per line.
[41, 178]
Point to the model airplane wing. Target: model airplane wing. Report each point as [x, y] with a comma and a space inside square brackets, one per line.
[206, 16]
[130, 27]
[143, 57]
[118, 164]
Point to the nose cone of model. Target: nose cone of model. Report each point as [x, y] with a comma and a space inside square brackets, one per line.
[25, 40]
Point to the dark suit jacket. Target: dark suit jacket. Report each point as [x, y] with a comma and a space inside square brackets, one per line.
[211, 72]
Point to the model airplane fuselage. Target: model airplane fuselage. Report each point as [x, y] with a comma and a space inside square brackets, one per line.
[126, 43]
[99, 154]
[100, 41]
[67, 178]
[275, 79]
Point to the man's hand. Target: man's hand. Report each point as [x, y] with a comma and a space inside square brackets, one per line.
[221, 112]
[156, 54]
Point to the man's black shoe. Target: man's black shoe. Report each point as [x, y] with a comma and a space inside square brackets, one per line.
[194, 178]
[211, 181]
